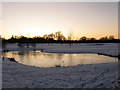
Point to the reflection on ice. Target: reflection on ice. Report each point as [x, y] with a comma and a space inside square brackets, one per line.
[39, 59]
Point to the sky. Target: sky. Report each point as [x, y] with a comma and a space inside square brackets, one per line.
[91, 19]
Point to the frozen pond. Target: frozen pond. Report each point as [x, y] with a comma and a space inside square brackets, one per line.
[39, 59]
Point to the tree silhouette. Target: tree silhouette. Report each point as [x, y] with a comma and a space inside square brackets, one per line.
[103, 38]
[70, 36]
[84, 38]
[58, 37]
[111, 37]
[45, 36]
[51, 36]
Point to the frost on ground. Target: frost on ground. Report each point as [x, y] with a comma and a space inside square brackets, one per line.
[16, 75]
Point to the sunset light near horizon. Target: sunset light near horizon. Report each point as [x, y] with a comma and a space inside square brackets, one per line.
[90, 19]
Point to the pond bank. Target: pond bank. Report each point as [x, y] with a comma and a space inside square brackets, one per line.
[108, 49]
[16, 75]
[105, 75]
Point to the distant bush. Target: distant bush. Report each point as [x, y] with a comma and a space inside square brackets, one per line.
[57, 66]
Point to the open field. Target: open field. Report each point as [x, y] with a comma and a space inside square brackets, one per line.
[101, 48]
[16, 75]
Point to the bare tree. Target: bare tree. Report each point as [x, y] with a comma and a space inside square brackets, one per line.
[51, 36]
[63, 38]
[59, 35]
[103, 38]
[111, 37]
[70, 36]
[84, 38]
[45, 36]
[92, 39]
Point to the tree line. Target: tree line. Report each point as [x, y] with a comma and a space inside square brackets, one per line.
[58, 37]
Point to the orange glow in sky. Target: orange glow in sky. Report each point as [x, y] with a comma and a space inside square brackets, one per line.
[91, 19]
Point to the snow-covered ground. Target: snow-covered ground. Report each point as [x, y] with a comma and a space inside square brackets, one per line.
[107, 48]
[105, 75]
[16, 75]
